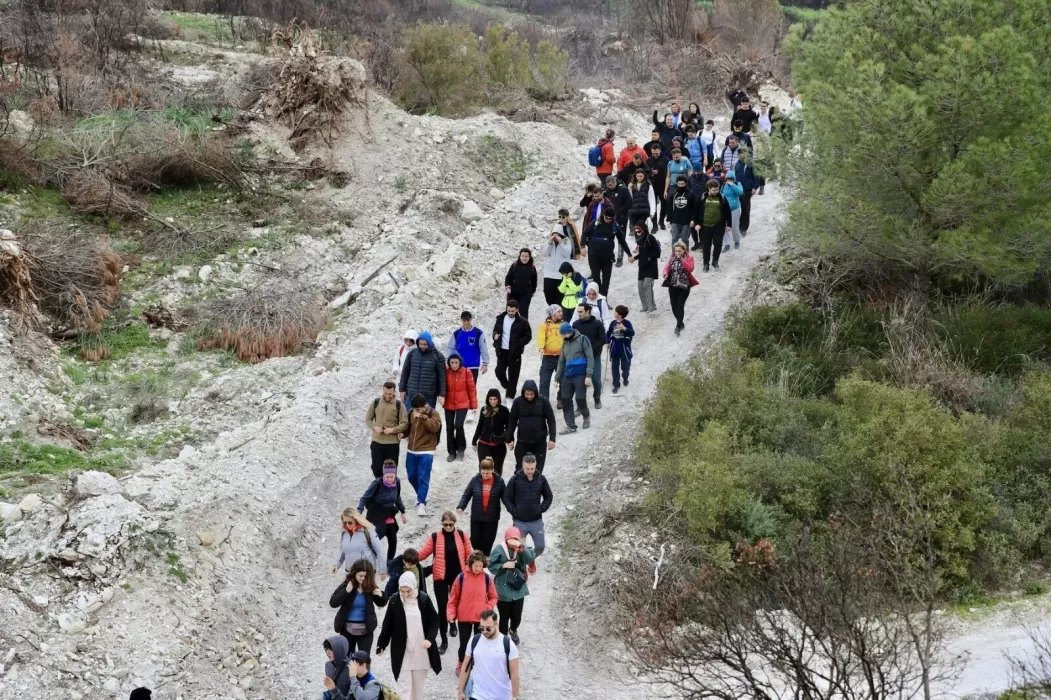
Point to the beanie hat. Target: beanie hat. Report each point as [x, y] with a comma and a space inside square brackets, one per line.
[552, 310]
[565, 267]
[565, 328]
[731, 175]
[512, 533]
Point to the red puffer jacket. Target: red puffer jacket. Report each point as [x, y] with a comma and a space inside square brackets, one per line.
[471, 594]
[435, 545]
[459, 389]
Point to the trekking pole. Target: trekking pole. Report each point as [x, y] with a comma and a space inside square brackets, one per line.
[605, 365]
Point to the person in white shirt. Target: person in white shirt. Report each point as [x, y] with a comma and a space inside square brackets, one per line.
[491, 664]
[403, 351]
[600, 307]
[765, 125]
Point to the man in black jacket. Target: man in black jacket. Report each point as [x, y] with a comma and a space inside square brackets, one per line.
[648, 253]
[617, 192]
[591, 328]
[511, 336]
[657, 165]
[601, 241]
[745, 114]
[527, 497]
[681, 202]
[532, 417]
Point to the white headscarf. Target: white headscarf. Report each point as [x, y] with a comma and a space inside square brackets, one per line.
[408, 580]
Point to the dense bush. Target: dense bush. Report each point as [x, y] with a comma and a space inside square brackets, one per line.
[998, 340]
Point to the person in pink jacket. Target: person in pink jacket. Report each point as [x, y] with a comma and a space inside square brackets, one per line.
[473, 591]
[679, 279]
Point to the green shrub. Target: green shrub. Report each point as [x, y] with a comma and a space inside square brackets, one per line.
[449, 69]
[552, 71]
[999, 340]
[507, 59]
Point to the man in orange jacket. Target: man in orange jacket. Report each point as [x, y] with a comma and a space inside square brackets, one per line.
[628, 152]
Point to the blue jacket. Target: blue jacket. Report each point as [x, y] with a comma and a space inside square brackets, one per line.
[732, 191]
[470, 346]
[746, 176]
[697, 151]
[620, 341]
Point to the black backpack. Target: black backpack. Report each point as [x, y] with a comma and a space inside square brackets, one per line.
[397, 402]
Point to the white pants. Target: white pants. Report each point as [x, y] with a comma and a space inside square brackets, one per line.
[735, 227]
[411, 684]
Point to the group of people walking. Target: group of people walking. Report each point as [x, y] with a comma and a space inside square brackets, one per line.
[479, 576]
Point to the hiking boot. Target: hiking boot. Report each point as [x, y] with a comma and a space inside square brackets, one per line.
[443, 647]
[451, 457]
[695, 246]
[677, 330]
[616, 389]
[620, 262]
[459, 455]
[421, 510]
[706, 268]
[663, 227]
[598, 402]
[570, 429]
[743, 234]
[725, 249]
[452, 631]
[513, 634]
[587, 423]
[736, 246]
[625, 381]
[715, 266]
[761, 189]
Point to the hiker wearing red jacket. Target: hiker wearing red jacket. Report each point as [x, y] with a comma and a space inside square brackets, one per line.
[628, 152]
[451, 548]
[473, 592]
[609, 156]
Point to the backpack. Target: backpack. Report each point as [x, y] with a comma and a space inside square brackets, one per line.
[398, 409]
[459, 579]
[469, 686]
[463, 540]
[595, 155]
[386, 691]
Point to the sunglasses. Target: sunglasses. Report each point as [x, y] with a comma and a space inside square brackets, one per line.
[449, 525]
[488, 628]
[348, 522]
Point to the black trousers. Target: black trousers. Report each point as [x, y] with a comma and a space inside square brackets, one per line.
[381, 452]
[441, 599]
[548, 365]
[389, 532]
[746, 210]
[362, 643]
[508, 367]
[678, 296]
[498, 452]
[510, 614]
[712, 243]
[601, 271]
[467, 630]
[621, 250]
[483, 534]
[551, 293]
[455, 436]
[662, 204]
[523, 304]
[539, 450]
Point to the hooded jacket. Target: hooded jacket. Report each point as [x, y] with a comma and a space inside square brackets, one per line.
[601, 240]
[499, 556]
[577, 358]
[460, 390]
[681, 203]
[556, 255]
[470, 345]
[491, 429]
[402, 352]
[620, 340]
[336, 669]
[473, 492]
[595, 330]
[380, 502]
[344, 601]
[471, 594]
[609, 157]
[423, 372]
[527, 499]
[548, 339]
[626, 155]
[521, 334]
[746, 176]
[599, 308]
[572, 290]
[732, 192]
[621, 198]
[521, 278]
[395, 631]
[534, 420]
[424, 430]
[648, 257]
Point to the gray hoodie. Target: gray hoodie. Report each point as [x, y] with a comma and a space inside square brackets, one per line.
[556, 255]
[336, 669]
[356, 546]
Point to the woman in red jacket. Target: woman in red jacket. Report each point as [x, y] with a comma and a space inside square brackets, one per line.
[473, 591]
[451, 548]
[460, 397]
[678, 278]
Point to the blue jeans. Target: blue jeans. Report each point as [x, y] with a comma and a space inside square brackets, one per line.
[620, 364]
[418, 468]
[596, 376]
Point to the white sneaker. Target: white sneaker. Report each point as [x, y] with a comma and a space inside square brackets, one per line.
[421, 510]
[470, 417]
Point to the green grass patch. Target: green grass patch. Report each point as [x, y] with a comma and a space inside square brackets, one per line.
[196, 26]
[121, 338]
[503, 162]
[19, 457]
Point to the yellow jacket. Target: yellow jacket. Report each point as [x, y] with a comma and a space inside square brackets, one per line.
[571, 291]
[548, 339]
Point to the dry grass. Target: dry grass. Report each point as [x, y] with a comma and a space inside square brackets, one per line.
[16, 284]
[75, 277]
[261, 323]
[91, 192]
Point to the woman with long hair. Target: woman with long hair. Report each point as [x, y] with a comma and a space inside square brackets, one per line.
[357, 541]
[409, 629]
[520, 281]
[489, 433]
[485, 490]
[357, 599]
[451, 548]
[382, 503]
[643, 201]
[678, 278]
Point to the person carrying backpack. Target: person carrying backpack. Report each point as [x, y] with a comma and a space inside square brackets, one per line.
[451, 548]
[363, 685]
[337, 674]
[381, 502]
[492, 671]
[423, 372]
[573, 287]
[509, 564]
[357, 541]
[602, 156]
[573, 375]
[387, 421]
[473, 592]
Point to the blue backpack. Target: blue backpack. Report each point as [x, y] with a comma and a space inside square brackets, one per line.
[595, 155]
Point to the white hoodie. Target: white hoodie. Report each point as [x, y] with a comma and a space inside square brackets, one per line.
[401, 353]
[601, 309]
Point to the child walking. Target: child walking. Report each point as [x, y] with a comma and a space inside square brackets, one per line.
[619, 337]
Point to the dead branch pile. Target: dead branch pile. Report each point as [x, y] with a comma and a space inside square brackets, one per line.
[91, 192]
[261, 323]
[16, 284]
[74, 276]
[185, 160]
[172, 242]
[310, 94]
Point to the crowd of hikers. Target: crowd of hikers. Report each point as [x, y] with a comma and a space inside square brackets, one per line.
[685, 180]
